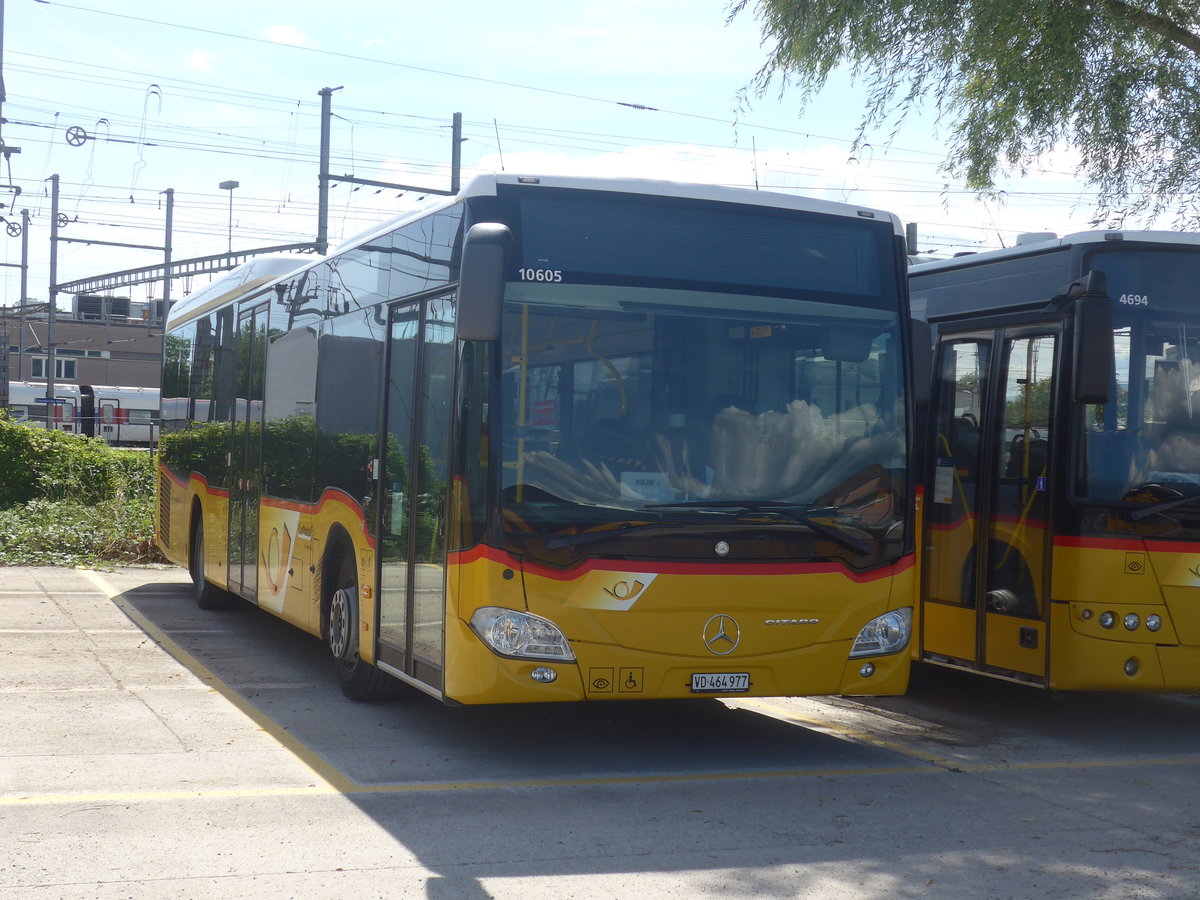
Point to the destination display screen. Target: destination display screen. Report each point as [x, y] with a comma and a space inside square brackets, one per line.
[577, 237]
[1146, 280]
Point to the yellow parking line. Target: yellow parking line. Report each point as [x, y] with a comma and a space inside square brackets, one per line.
[355, 788]
[975, 768]
[317, 764]
[331, 781]
[352, 788]
[142, 796]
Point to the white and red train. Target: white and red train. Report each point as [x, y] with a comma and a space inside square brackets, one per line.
[127, 416]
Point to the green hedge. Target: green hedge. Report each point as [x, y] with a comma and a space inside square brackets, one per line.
[71, 500]
[40, 464]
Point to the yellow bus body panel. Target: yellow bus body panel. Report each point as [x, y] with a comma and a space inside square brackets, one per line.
[292, 539]
[175, 501]
[637, 631]
[1002, 644]
[1089, 577]
[1125, 577]
[949, 628]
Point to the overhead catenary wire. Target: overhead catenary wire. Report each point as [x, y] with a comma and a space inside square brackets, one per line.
[43, 122]
[924, 157]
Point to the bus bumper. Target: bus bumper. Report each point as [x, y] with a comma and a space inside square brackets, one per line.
[475, 675]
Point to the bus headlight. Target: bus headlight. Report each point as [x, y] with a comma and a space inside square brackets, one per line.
[884, 634]
[520, 634]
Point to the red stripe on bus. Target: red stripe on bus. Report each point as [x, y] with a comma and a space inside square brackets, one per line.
[329, 495]
[1129, 544]
[463, 557]
[950, 526]
[194, 476]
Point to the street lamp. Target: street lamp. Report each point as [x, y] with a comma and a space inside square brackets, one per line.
[229, 186]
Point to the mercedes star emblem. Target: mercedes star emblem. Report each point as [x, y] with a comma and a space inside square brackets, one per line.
[721, 634]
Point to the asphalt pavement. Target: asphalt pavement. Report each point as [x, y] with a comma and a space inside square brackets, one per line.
[149, 749]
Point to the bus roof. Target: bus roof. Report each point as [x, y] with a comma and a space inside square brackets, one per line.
[240, 280]
[266, 270]
[485, 185]
[1050, 244]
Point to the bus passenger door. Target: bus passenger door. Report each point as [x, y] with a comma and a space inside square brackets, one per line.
[245, 459]
[419, 400]
[984, 603]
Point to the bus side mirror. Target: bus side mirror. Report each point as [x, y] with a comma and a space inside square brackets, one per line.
[922, 360]
[481, 281]
[1094, 355]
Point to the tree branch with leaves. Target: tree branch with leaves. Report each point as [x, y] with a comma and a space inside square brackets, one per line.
[1118, 81]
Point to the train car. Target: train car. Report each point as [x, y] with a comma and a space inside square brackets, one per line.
[122, 416]
[27, 402]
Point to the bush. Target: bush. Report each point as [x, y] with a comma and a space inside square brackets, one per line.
[71, 500]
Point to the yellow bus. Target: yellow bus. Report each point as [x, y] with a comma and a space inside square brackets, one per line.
[1061, 482]
[560, 439]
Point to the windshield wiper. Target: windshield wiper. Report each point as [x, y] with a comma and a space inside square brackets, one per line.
[793, 512]
[1162, 506]
[559, 541]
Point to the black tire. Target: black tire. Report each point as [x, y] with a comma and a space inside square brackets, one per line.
[207, 594]
[359, 681]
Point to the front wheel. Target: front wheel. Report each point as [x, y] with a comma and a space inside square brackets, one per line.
[207, 594]
[359, 681]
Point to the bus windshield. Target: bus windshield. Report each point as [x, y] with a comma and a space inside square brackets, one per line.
[655, 395]
[1144, 445]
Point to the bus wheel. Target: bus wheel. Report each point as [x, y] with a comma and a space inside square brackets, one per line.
[358, 680]
[207, 594]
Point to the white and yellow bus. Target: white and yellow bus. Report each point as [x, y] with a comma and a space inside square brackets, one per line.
[1061, 542]
[562, 439]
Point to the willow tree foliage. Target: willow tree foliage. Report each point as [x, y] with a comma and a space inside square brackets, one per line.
[1010, 80]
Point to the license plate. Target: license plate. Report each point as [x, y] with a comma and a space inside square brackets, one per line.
[720, 682]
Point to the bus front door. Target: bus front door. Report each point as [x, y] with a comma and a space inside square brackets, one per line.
[412, 596]
[245, 458]
[986, 535]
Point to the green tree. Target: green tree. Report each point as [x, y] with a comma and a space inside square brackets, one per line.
[1030, 407]
[177, 360]
[1118, 80]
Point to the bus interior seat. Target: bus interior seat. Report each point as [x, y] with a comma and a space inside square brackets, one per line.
[1027, 457]
[964, 441]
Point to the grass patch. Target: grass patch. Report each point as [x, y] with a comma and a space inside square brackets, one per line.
[70, 533]
[67, 500]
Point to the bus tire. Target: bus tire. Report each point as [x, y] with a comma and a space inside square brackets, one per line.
[360, 681]
[207, 594]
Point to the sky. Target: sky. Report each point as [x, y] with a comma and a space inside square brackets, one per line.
[128, 98]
